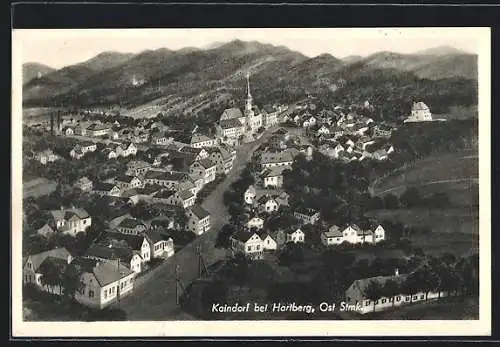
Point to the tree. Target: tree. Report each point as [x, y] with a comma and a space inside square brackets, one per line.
[411, 285]
[373, 292]
[391, 202]
[71, 280]
[52, 274]
[410, 198]
[293, 252]
[239, 269]
[180, 218]
[223, 236]
[391, 289]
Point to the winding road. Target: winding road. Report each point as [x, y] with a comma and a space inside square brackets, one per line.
[154, 295]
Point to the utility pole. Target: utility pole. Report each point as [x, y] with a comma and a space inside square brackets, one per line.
[202, 268]
[179, 288]
[118, 287]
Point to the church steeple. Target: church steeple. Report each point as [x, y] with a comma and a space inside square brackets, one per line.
[248, 105]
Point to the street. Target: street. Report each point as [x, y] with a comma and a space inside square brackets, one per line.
[154, 295]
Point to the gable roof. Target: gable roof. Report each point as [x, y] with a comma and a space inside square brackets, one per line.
[362, 284]
[333, 231]
[307, 211]
[276, 171]
[230, 123]
[110, 251]
[155, 237]
[132, 241]
[197, 138]
[130, 223]
[105, 272]
[231, 113]
[243, 236]
[199, 211]
[275, 157]
[185, 194]
[206, 163]
[37, 259]
[66, 214]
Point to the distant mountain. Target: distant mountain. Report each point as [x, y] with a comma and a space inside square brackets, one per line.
[32, 70]
[106, 60]
[352, 59]
[188, 81]
[441, 50]
[436, 63]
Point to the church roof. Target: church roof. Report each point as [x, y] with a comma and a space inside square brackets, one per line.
[231, 113]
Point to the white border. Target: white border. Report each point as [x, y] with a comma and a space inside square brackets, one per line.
[479, 327]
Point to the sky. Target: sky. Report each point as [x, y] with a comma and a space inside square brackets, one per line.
[59, 48]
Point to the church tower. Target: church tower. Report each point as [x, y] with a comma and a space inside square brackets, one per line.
[248, 104]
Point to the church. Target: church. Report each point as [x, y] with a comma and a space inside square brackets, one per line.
[234, 124]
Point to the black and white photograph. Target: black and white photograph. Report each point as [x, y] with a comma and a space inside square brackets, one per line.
[218, 181]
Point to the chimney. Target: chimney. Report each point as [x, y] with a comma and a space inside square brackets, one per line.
[396, 272]
[70, 258]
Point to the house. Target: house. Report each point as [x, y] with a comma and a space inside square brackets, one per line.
[165, 196]
[222, 158]
[255, 222]
[294, 235]
[137, 167]
[68, 131]
[47, 156]
[198, 220]
[323, 130]
[195, 153]
[33, 263]
[360, 128]
[249, 195]
[200, 141]
[309, 122]
[233, 113]
[72, 220]
[82, 148]
[204, 168]
[168, 179]
[229, 131]
[106, 189]
[159, 138]
[354, 234]
[113, 251]
[109, 153]
[160, 245]
[381, 130]
[247, 243]
[379, 233]
[96, 130]
[131, 226]
[103, 283]
[137, 243]
[269, 243]
[128, 182]
[126, 149]
[267, 204]
[420, 112]
[273, 177]
[270, 159]
[45, 231]
[307, 215]
[331, 237]
[141, 194]
[185, 198]
[270, 117]
[355, 294]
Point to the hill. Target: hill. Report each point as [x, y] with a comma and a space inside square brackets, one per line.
[188, 81]
[106, 60]
[436, 63]
[32, 70]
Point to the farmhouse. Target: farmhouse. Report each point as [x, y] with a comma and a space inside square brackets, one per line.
[294, 235]
[255, 222]
[97, 130]
[131, 226]
[114, 251]
[47, 156]
[355, 294]
[204, 168]
[272, 159]
[247, 243]
[273, 177]
[420, 112]
[249, 195]
[200, 141]
[137, 243]
[106, 189]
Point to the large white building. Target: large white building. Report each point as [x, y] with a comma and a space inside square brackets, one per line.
[420, 112]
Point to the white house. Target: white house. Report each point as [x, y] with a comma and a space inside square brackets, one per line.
[354, 234]
[255, 222]
[272, 159]
[268, 204]
[333, 236]
[294, 235]
[323, 130]
[198, 220]
[111, 252]
[33, 262]
[200, 141]
[103, 282]
[355, 295]
[273, 177]
[47, 156]
[268, 242]
[160, 246]
[249, 195]
[247, 243]
[420, 112]
[205, 168]
[72, 220]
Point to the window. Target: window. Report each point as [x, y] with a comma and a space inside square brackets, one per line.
[91, 293]
[257, 247]
[415, 297]
[422, 297]
[105, 294]
[407, 298]
[376, 302]
[398, 298]
[249, 248]
[367, 302]
[384, 301]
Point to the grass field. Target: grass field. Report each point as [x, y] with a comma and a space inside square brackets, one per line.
[442, 173]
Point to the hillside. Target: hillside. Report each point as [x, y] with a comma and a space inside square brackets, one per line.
[192, 80]
[32, 70]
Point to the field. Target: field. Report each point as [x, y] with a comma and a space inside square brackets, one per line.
[36, 187]
[450, 172]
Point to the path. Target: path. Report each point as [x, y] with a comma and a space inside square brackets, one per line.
[154, 295]
[473, 179]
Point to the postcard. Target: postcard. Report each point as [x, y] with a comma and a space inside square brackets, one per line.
[254, 182]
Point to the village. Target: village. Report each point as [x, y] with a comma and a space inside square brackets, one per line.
[173, 177]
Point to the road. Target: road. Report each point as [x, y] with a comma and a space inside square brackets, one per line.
[154, 296]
